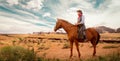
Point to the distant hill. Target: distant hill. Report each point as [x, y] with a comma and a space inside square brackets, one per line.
[100, 29]
[118, 30]
[103, 29]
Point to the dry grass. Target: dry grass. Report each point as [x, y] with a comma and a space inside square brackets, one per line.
[66, 46]
[111, 46]
[110, 36]
[57, 50]
[16, 53]
[109, 57]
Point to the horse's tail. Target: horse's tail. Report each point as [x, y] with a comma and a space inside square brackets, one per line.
[98, 38]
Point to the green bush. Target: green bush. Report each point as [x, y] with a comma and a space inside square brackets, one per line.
[111, 57]
[111, 46]
[16, 53]
[21, 39]
[100, 58]
[114, 57]
[54, 59]
[65, 46]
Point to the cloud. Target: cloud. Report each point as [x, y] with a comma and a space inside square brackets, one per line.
[34, 4]
[106, 11]
[24, 15]
[15, 26]
[47, 14]
[35, 22]
[12, 2]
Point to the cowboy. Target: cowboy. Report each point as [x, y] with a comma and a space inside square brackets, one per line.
[81, 25]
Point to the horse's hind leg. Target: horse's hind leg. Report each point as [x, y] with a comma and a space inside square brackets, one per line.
[94, 46]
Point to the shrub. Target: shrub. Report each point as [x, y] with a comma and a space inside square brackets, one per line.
[111, 57]
[16, 53]
[13, 42]
[43, 47]
[112, 46]
[1, 43]
[100, 58]
[54, 59]
[114, 57]
[65, 46]
[81, 45]
[20, 39]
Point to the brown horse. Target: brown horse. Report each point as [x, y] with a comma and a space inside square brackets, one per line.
[91, 34]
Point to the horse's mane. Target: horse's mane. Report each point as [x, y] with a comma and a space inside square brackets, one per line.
[65, 21]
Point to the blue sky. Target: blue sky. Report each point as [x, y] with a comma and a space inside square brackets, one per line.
[27, 16]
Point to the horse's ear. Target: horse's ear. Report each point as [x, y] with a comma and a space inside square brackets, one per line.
[58, 19]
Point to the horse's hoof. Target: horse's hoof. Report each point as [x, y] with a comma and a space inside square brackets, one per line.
[79, 55]
[94, 55]
[70, 57]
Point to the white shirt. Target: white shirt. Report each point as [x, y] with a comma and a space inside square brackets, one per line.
[81, 21]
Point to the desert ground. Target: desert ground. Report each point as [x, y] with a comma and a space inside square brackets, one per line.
[57, 45]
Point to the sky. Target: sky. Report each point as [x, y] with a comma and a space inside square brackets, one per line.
[27, 16]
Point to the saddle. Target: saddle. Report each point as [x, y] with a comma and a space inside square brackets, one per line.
[81, 32]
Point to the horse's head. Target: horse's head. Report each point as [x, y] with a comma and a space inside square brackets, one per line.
[58, 25]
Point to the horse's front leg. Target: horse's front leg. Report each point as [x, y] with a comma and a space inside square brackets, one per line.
[77, 47]
[71, 48]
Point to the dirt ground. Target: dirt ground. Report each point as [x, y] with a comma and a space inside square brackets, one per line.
[85, 49]
[55, 48]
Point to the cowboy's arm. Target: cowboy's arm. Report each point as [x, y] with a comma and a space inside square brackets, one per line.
[81, 22]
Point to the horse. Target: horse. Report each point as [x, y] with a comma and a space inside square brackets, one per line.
[91, 34]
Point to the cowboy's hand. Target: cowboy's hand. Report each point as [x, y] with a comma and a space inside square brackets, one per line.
[76, 23]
